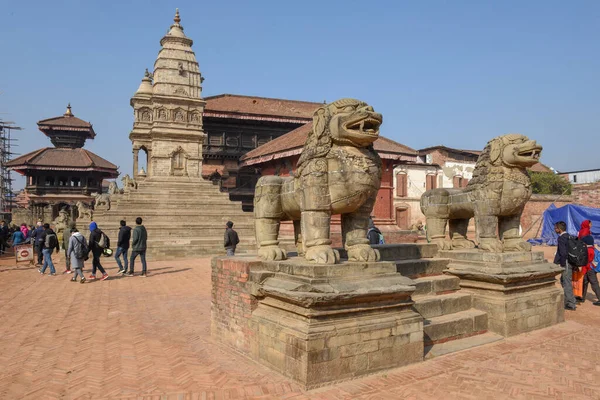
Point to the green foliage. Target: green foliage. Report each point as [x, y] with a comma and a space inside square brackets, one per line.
[549, 183]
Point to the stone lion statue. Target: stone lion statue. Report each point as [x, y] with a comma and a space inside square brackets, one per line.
[495, 196]
[129, 182]
[113, 188]
[85, 212]
[101, 201]
[338, 172]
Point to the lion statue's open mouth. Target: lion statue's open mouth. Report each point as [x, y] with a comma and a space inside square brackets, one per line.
[367, 125]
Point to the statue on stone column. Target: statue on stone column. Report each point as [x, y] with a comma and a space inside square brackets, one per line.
[113, 188]
[495, 196]
[129, 183]
[84, 211]
[339, 172]
[101, 201]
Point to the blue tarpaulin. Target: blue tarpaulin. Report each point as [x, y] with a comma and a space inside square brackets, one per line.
[573, 216]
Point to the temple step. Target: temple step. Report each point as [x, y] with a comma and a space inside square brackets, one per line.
[453, 346]
[433, 285]
[437, 305]
[454, 326]
[422, 267]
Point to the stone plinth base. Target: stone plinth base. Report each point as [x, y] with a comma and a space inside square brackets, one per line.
[316, 324]
[517, 290]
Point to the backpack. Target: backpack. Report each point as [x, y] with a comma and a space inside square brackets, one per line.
[104, 241]
[381, 239]
[81, 251]
[577, 253]
[51, 241]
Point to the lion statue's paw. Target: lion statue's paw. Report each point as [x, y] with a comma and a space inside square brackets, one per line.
[322, 254]
[463, 244]
[490, 244]
[516, 245]
[272, 253]
[363, 252]
[443, 244]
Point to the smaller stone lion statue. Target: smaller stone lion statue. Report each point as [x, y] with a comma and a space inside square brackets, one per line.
[338, 172]
[129, 182]
[85, 212]
[113, 188]
[101, 201]
[495, 196]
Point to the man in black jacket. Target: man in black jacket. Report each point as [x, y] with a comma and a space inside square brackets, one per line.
[96, 250]
[231, 239]
[123, 246]
[561, 258]
[3, 236]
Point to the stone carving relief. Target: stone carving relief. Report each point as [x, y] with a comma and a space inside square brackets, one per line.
[195, 118]
[495, 197]
[145, 115]
[162, 114]
[179, 115]
[339, 172]
[113, 188]
[179, 162]
[180, 91]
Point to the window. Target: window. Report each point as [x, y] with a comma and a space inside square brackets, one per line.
[49, 181]
[401, 185]
[574, 178]
[232, 142]
[457, 182]
[216, 140]
[248, 141]
[430, 182]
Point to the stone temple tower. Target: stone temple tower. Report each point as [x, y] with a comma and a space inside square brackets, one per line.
[168, 109]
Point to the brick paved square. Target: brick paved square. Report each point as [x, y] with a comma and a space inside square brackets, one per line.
[149, 338]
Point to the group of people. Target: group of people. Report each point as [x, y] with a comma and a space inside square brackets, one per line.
[572, 272]
[77, 249]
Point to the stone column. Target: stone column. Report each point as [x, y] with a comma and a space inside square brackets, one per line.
[135, 162]
[148, 163]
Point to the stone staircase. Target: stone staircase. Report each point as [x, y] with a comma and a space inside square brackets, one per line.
[184, 217]
[450, 322]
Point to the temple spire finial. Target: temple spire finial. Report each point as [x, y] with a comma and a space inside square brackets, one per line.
[177, 19]
[69, 113]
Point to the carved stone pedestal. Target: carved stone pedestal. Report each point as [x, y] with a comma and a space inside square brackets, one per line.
[517, 290]
[316, 324]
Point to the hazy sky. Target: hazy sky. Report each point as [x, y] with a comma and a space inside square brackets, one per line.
[442, 72]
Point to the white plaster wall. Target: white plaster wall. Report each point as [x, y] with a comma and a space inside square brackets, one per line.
[585, 177]
[452, 169]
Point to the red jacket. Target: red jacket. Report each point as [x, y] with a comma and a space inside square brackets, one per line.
[585, 229]
[591, 254]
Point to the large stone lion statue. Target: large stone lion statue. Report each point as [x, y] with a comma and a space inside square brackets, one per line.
[129, 182]
[84, 211]
[338, 172]
[495, 196]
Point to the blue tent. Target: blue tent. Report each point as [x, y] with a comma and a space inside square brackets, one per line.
[573, 216]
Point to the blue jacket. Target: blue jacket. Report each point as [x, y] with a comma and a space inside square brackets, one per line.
[18, 238]
[39, 236]
[596, 261]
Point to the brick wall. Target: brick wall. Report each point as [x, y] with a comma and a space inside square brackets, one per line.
[232, 305]
[531, 221]
[587, 194]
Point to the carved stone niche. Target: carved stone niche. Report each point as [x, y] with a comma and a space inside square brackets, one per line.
[145, 115]
[179, 115]
[179, 160]
[161, 114]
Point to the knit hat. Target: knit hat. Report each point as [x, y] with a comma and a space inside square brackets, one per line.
[93, 226]
[589, 240]
[229, 224]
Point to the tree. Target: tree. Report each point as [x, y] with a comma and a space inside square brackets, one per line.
[549, 183]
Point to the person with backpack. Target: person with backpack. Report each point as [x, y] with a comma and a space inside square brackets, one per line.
[66, 240]
[231, 239]
[590, 274]
[138, 247]
[37, 238]
[49, 244]
[77, 251]
[561, 258]
[123, 246]
[97, 243]
[374, 234]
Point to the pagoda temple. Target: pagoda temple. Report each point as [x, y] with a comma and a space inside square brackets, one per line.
[60, 177]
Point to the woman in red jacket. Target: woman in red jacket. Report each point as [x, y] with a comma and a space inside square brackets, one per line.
[590, 274]
[586, 229]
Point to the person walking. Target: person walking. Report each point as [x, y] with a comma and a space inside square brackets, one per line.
[373, 233]
[123, 246]
[561, 259]
[96, 236]
[138, 247]
[66, 240]
[590, 275]
[4, 235]
[24, 230]
[37, 238]
[231, 239]
[77, 250]
[586, 229]
[49, 244]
